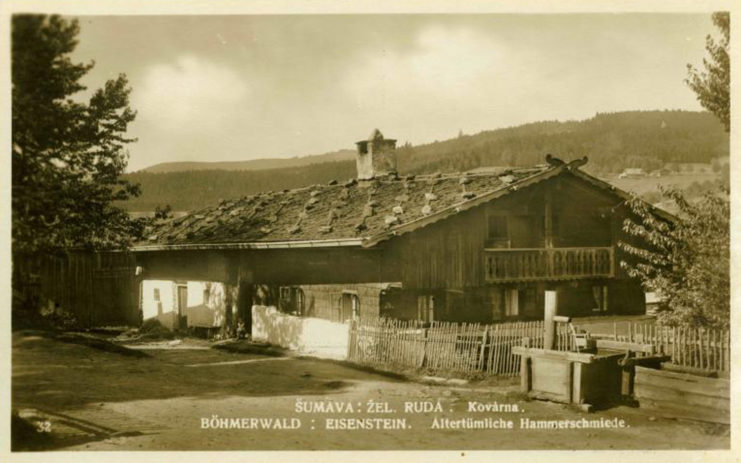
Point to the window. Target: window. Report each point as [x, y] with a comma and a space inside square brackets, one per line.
[508, 302]
[527, 303]
[291, 300]
[599, 293]
[498, 233]
[349, 306]
[385, 303]
[511, 303]
[284, 298]
[157, 294]
[426, 308]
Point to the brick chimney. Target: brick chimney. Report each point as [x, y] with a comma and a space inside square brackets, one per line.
[376, 156]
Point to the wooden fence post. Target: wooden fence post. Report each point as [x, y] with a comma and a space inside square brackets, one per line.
[423, 357]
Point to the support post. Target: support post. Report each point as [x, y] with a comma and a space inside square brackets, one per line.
[231, 294]
[548, 220]
[140, 301]
[229, 302]
[549, 324]
[626, 381]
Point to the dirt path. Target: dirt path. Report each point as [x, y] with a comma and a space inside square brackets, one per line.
[105, 401]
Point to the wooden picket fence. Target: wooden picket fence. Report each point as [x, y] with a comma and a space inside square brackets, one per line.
[441, 346]
[381, 341]
[565, 338]
[472, 347]
[498, 342]
[701, 348]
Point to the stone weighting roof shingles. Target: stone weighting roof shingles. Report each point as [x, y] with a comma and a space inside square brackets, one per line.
[335, 211]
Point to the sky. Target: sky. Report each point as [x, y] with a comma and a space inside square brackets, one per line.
[230, 88]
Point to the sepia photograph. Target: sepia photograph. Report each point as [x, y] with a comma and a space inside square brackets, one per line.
[327, 229]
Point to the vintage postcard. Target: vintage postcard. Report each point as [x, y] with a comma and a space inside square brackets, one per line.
[452, 229]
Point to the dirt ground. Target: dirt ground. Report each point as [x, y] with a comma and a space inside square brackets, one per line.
[81, 398]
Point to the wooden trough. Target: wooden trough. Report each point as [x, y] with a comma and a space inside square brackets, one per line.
[598, 374]
[583, 379]
[682, 395]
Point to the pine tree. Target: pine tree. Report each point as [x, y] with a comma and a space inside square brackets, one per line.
[67, 156]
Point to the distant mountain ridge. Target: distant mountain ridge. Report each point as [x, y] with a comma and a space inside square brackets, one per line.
[612, 141]
[254, 164]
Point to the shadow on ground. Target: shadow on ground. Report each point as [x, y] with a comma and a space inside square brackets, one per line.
[51, 374]
[114, 402]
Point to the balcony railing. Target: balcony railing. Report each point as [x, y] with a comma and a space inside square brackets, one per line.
[531, 264]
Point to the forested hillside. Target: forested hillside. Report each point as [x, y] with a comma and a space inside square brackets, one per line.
[646, 139]
[253, 164]
[614, 141]
[193, 189]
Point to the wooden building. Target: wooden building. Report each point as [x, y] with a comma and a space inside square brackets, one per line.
[93, 288]
[480, 246]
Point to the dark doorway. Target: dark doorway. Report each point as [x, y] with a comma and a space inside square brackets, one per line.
[244, 304]
[182, 307]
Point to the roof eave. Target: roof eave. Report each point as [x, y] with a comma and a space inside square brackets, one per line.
[331, 243]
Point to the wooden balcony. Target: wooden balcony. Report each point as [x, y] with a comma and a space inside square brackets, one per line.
[532, 264]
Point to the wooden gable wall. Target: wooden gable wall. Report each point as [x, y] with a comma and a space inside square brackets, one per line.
[450, 253]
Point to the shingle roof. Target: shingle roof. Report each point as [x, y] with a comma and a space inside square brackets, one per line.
[351, 209]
